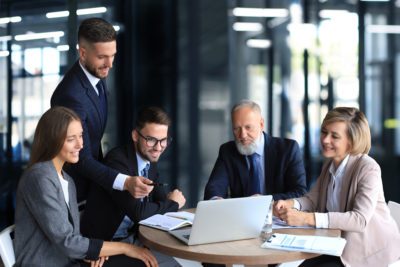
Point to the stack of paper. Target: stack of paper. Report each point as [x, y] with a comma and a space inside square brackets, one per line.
[164, 222]
[305, 243]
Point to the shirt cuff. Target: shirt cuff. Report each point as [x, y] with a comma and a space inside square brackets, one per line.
[93, 252]
[119, 182]
[296, 204]
[321, 220]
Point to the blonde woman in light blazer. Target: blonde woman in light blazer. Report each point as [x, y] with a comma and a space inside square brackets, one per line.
[348, 195]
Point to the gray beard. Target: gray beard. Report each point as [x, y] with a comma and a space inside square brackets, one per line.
[249, 149]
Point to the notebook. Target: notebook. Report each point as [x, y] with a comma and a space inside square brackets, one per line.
[165, 222]
[226, 220]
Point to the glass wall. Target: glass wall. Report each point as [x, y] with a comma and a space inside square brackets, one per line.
[33, 58]
[297, 59]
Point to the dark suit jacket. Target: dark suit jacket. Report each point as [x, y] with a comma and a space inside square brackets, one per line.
[285, 176]
[104, 212]
[76, 92]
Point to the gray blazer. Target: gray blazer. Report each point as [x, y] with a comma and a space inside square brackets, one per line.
[373, 238]
[46, 229]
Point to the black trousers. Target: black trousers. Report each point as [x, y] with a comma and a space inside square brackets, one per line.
[119, 261]
[323, 261]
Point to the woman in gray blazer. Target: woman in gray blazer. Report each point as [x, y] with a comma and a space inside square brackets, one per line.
[348, 195]
[47, 217]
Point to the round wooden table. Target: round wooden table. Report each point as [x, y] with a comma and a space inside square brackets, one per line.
[247, 252]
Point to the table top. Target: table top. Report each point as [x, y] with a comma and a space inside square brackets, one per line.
[247, 252]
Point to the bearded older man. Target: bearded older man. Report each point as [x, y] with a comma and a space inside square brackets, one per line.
[255, 162]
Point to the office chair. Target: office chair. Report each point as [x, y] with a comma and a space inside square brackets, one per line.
[395, 212]
[7, 247]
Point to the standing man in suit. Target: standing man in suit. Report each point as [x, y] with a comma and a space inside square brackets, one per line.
[116, 216]
[255, 162]
[84, 90]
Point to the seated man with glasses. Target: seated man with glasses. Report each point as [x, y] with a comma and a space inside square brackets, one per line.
[115, 216]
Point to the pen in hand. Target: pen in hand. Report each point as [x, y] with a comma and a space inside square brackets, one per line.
[157, 184]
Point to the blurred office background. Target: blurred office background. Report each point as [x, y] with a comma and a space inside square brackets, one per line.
[196, 58]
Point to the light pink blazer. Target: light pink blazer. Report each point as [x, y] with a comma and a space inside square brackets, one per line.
[373, 238]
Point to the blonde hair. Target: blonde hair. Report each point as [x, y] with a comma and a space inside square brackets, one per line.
[357, 127]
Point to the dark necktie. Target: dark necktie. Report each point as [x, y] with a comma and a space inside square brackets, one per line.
[255, 174]
[145, 171]
[102, 99]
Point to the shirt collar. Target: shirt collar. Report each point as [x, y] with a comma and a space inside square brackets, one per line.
[92, 79]
[341, 167]
[141, 163]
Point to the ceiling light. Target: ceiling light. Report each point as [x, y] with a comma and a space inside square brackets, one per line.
[116, 27]
[389, 29]
[58, 14]
[79, 12]
[10, 19]
[258, 43]
[40, 35]
[332, 13]
[260, 12]
[5, 38]
[247, 26]
[62, 48]
[89, 11]
[4, 53]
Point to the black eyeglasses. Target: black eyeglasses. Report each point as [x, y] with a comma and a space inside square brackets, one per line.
[152, 141]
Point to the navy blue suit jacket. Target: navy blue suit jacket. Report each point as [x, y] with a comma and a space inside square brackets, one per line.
[284, 171]
[104, 212]
[76, 92]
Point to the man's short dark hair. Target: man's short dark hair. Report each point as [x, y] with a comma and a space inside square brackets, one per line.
[95, 30]
[152, 115]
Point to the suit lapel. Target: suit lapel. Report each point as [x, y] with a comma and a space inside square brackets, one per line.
[347, 182]
[133, 165]
[325, 177]
[90, 92]
[73, 212]
[269, 163]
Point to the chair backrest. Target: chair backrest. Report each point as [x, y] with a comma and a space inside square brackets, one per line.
[395, 211]
[7, 247]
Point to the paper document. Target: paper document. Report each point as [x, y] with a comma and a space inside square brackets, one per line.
[181, 215]
[164, 222]
[306, 243]
[279, 224]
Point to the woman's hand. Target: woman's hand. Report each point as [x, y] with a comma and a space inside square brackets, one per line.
[142, 254]
[294, 217]
[97, 263]
[282, 204]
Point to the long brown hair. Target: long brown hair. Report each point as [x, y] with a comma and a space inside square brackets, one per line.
[50, 133]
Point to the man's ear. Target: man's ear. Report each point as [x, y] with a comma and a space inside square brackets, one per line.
[82, 52]
[262, 124]
[134, 135]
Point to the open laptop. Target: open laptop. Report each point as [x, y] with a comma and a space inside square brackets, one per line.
[226, 220]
